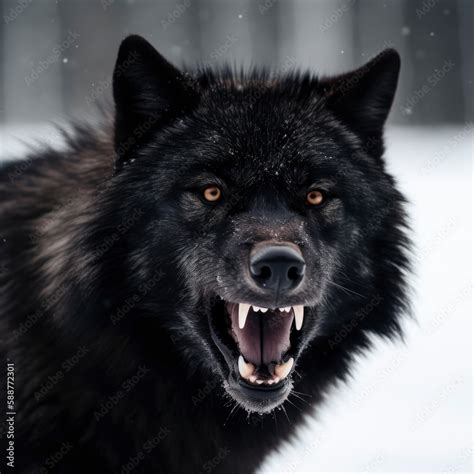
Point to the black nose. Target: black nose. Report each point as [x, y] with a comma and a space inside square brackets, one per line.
[277, 267]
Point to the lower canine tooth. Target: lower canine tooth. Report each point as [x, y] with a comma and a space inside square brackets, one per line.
[282, 370]
[245, 369]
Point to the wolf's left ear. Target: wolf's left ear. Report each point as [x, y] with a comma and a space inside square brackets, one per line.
[149, 92]
[362, 98]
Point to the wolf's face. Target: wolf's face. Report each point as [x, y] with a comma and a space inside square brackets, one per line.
[265, 198]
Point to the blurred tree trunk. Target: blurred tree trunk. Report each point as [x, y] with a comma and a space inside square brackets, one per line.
[434, 57]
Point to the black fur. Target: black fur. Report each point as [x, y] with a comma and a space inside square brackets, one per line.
[111, 263]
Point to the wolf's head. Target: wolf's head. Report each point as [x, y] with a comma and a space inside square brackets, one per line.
[275, 230]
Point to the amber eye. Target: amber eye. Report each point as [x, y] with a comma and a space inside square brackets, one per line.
[315, 198]
[212, 194]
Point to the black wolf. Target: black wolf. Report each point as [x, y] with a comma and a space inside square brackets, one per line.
[182, 285]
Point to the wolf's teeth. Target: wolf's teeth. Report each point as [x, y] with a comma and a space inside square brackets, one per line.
[282, 370]
[256, 308]
[243, 312]
[263, 310]
[299, 316]
[245, 368]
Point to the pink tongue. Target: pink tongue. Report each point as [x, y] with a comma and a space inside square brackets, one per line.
[265, 337]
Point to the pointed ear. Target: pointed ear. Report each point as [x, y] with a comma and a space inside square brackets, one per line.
[149, 92]
[362, 98]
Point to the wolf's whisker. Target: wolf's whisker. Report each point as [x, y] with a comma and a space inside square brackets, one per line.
[297, 407]
[301, 393]
[286, 413]
[301, 398]
[344, 288]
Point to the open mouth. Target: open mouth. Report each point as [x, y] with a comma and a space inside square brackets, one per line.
[259, 345]
[263, 338]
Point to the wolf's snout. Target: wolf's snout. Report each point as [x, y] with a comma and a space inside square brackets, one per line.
[277, 267]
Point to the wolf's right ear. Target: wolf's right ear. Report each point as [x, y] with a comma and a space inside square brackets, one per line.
[148, 91]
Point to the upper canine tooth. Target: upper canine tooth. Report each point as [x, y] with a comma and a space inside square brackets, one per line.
[282, 370]
[245, 369]
[299, 316]
[243, 312]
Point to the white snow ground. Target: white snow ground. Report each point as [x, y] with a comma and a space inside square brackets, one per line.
[408, 407]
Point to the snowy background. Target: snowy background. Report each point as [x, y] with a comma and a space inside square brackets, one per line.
[408, 407]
